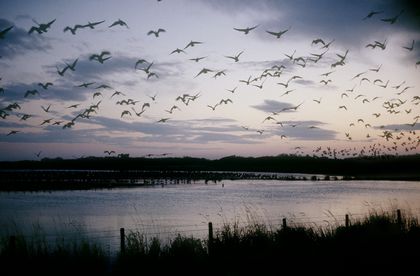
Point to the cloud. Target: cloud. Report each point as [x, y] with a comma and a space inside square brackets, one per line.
[273, 106]
[17, 41]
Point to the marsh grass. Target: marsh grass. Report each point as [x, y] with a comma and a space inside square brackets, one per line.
[375, 243]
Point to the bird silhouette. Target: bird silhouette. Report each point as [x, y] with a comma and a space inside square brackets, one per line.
[192, 44]
[245, 30]
[119, 22]
[92, 25]
[100, 57]
[197, 59]
[5, 31]
[203, 71]
[31, 92]
[232, 90]
[74, 29]
[163, 120]
[178, 51]
[156, 33]
[279, 33]
[109, 152]
[12, 132]
[85, 84]
[410, 48]
[46, 109]
[392, 20]
[235, 58]
[372, 13]
[45, 85]
[125, 112]
[41, 28]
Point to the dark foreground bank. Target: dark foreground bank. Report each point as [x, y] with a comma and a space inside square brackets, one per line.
[110, 172]
[379, 243]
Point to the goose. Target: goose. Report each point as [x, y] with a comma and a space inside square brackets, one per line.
[197, 59]
[85, 84]
[392, 20]
[45, 85]
[31, 92]
[278, 34]
[93, 24]
[235, 58]
[156, 33]
[5, 31]
[246, 30]
[192, 44]
[118, 22]
[42, 28]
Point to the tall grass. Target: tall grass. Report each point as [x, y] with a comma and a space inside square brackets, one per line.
[373, 244]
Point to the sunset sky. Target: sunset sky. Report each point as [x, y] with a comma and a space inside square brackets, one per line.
[380, 111]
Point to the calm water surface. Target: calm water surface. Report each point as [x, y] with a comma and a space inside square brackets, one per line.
[187, 208]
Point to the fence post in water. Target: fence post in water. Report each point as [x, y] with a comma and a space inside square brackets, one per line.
[122, 240]
[284, 224]
[210, 243]
[347, 220]
[399, 219]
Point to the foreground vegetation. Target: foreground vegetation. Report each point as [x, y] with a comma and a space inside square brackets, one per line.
[378, 243]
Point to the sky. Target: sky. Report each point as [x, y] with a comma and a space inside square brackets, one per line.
[328, 99]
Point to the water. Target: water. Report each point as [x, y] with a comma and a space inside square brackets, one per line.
[165, 210]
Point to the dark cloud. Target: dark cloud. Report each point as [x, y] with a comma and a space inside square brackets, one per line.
[63, 92]
[273, 106]
[17, 41]
[399, 127]
[175, 132]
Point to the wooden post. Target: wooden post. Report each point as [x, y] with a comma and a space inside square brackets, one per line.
[347, 220]
[210, 242]
[122, 240]
[399, 219]
[284, 224]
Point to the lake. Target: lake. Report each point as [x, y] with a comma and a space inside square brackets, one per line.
[163, 210]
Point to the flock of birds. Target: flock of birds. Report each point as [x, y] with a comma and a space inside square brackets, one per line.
[391, 142]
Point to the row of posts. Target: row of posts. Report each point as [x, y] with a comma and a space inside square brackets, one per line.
[12, 240]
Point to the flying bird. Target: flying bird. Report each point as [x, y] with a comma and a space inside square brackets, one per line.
[46, 109]
[125, 112]
[163, 120]
[45, 85]
[178, 51]
[372, 13]
[410, 48]
[85, 84]
[392, 20]
[192, 44]
[203, 71]
[156, 33]
[278, 34]
[197, 59]
[93, 24]
[74, 29]
[31, 92]
[109, 152]
[13, 132]
[5, 31]
[118, 22]
[235, 58]
[232, 90]
[41, 28]
[100, 57]
[246, 30]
